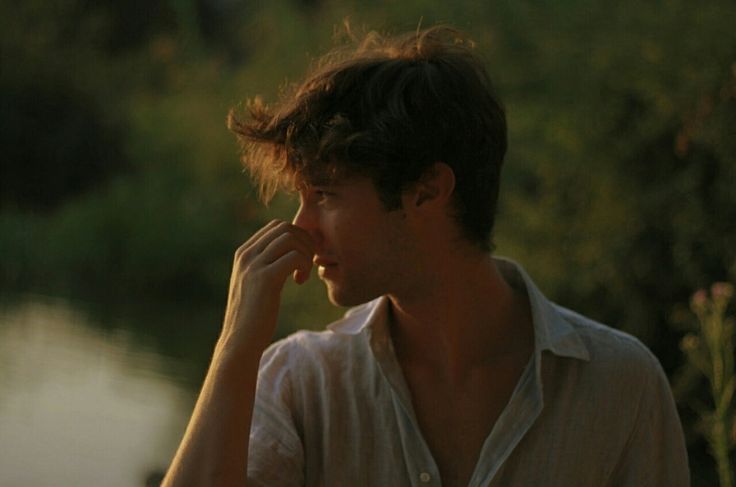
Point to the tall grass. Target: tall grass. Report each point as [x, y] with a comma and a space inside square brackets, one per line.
[710, 350]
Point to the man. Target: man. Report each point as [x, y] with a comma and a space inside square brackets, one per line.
[452, 368]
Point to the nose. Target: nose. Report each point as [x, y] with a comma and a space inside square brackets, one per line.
[307, 218]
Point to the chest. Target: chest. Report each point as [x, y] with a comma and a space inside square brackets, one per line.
[456, 419]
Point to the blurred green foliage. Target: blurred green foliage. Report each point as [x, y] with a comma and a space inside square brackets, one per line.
[119, 177]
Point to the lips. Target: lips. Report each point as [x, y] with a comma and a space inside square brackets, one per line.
[326, 267]
[323, 261]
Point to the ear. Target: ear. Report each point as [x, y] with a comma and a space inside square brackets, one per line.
[434, 188]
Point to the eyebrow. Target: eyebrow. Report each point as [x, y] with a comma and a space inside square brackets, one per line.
[323, 181]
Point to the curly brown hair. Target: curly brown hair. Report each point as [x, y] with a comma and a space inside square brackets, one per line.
[386, 108]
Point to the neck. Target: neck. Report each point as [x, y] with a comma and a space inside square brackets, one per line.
[466, 316]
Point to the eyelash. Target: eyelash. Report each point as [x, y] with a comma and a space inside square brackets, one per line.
[323, 194]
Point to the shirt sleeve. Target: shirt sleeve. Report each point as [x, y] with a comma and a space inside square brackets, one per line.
[276, 455]
[655, 454]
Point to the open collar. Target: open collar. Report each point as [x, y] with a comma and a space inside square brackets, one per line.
[552, 330]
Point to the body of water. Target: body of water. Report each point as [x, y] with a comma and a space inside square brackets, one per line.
[91, 398]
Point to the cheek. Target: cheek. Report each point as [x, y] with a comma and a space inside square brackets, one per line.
[338, 233]
[350, 237]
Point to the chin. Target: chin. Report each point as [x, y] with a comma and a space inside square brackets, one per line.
[345, 298]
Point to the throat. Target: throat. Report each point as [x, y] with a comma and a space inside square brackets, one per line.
[452, 347]
[456, 418]
[465, 328]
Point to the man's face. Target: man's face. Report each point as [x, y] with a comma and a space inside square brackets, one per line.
[362, 250]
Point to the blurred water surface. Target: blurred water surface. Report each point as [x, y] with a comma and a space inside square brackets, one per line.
[89, 398]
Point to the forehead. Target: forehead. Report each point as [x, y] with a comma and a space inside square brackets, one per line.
[330, 179]
[329, 172]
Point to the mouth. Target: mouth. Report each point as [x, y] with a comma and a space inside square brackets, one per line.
[323, 261]
[325, 267]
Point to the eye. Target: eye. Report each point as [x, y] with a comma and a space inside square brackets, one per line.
[322, 194]
[318, 195]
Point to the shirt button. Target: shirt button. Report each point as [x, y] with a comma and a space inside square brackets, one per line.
[424, 477]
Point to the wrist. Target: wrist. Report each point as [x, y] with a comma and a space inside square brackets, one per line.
[231, 351]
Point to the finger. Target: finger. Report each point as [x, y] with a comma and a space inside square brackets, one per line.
[264, 229]
[256, 237]
[276, 231]
[286, 242]
[292, 262]
[300, 276]
[305, 237]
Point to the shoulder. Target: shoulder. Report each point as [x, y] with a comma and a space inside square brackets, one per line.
[342, 341]
[309, 368]
[606, 342]
[614, 353]
[618, 391]
[306, 346]
[632, 406]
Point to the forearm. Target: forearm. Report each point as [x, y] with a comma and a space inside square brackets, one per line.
[214, 449]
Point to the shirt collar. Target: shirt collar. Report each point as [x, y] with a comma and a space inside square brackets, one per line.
[360, 317]
[552, 331]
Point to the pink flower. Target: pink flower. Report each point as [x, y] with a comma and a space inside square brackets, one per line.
[699, 300]
[721, 290]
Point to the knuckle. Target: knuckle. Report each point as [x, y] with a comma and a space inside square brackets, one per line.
[253, 271]
[242, 253]
[253, 274]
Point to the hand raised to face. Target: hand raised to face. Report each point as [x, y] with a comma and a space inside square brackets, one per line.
[260, 268]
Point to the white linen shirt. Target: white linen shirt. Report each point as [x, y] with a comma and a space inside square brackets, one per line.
[592, 408]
